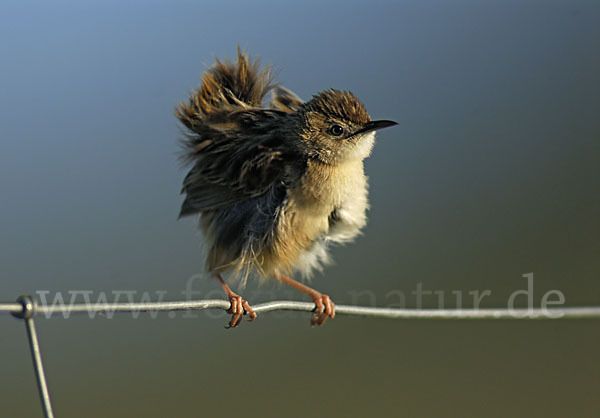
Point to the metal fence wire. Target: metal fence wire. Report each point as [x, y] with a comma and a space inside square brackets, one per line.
[26, 308]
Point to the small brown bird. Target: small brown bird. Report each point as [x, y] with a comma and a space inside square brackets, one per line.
[273, 186]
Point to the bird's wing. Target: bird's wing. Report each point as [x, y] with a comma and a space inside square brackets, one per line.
[285, 100]
[232, 142]
[235, 156]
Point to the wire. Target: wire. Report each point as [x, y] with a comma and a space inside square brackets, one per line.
[397, 313]
[27, 312]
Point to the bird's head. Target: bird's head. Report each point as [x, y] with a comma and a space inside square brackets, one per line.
[335, 127]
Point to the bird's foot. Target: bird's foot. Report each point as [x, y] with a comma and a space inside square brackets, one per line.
[325, 309]
[239, 307]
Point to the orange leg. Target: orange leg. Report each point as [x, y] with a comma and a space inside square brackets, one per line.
[325, 307]
[238, 307]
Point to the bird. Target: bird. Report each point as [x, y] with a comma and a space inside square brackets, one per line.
[273, 184]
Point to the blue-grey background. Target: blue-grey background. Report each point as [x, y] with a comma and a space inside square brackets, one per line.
[493, 172]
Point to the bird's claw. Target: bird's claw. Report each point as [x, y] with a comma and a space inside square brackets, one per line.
[239, 307]
[325, 308]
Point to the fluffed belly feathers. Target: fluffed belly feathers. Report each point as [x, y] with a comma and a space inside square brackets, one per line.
[332, 210]
[290, 228]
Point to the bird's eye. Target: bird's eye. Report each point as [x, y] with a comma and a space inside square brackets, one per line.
[336, 130]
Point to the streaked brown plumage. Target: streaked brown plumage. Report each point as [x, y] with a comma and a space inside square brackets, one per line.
[272, 186]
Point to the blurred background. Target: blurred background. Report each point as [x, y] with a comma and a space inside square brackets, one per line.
[492, 173]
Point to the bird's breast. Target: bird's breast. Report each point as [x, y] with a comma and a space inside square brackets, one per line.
[331, 201]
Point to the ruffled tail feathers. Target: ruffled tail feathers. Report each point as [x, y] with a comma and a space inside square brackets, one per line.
[227, 86]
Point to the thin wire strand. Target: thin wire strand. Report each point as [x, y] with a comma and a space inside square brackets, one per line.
[27, 313]
[36, 355]
[397, 313]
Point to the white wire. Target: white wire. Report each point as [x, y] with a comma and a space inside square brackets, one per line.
[398, 313]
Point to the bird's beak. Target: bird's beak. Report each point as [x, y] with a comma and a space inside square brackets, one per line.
[376, 124]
